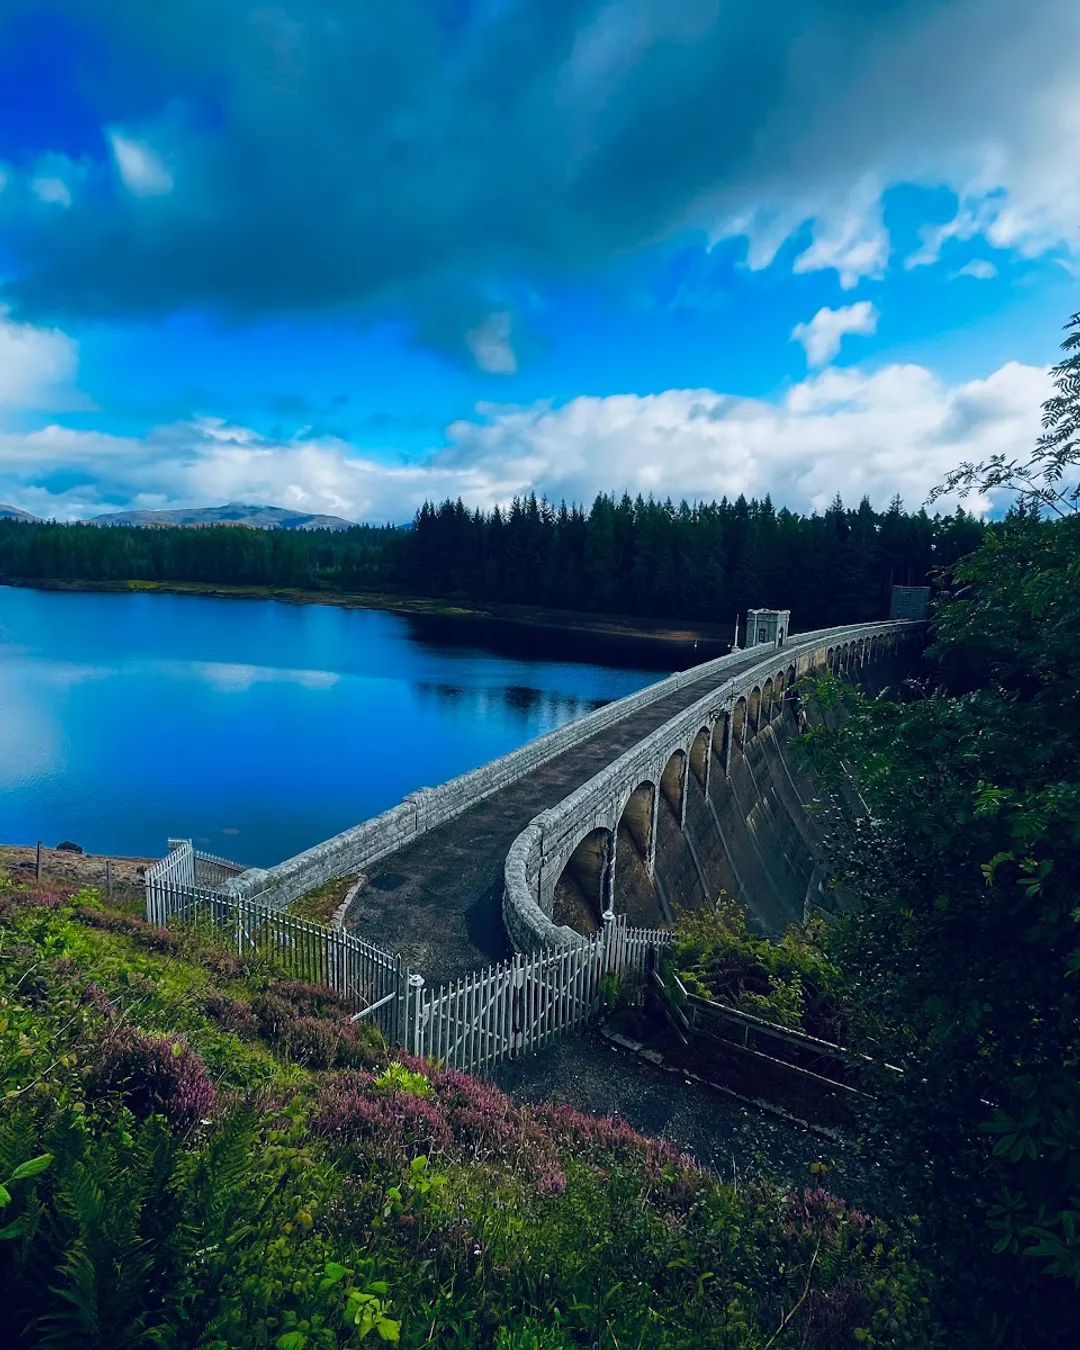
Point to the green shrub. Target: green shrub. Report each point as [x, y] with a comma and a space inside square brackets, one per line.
[790, 981]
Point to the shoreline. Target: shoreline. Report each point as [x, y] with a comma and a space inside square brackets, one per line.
[620, 627]
[65, 868]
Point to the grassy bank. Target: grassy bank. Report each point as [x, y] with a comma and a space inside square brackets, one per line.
[716, 637]
[199, 1153]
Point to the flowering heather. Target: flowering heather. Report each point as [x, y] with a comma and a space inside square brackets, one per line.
[153, 1075]
[591, 1138]
[816, 1208]
[328, 1041]
[348, 1106]
[155, 937]
[311, 1000]
[483, 1120]
[551, 1181]
[95, 997]
[231, 1014]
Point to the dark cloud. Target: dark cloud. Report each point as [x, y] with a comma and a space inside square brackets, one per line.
[399, 156]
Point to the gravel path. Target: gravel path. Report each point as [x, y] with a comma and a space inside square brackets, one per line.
[587, 1072]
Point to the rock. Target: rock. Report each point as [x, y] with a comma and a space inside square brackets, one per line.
[68, 847]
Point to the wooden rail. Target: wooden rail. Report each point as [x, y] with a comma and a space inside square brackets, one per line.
[814, 1078]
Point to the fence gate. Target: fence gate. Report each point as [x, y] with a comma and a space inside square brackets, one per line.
[501, 1012]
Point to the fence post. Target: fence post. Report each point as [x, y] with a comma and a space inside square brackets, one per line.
[416, 998]
[610, 962]
[517, 1007]
[39, 860]
[108, 878]
[398, 1008]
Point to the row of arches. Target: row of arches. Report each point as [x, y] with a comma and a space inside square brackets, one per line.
[852, 656]
[587, 879]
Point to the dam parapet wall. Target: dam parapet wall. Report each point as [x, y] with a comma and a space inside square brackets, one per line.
[710, 801]
[355, 850]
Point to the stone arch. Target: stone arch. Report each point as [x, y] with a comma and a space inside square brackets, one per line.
[830, 659]
[673, 784]
[699, 757]
[721, 743]
[789, 683]
[738, 723]
[638, 819]
[845, 659]
[780, 685]
[765, 716]
[584, 889]
[753, 711]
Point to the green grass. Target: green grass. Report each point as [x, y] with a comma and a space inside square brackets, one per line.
[321, 904]
[226, 1161]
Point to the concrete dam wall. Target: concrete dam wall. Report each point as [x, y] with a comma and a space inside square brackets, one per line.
[713, 800]
[648, 805]
[745, 830]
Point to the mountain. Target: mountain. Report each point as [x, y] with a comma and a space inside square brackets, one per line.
[232, 513]
[13, 513]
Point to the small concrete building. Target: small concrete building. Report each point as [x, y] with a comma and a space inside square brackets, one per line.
[767, 627]
[909, 602]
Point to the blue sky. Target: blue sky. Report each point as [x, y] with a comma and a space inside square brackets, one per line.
[343, 257]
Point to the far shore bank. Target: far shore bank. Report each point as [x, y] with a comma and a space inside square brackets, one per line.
[67, 868]
[715, 637]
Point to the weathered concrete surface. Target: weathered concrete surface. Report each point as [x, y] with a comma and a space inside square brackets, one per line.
[692, 809]
[726, 806]
[438, 899]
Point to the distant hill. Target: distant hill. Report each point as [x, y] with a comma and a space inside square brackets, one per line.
[13, 513]
[232, 513]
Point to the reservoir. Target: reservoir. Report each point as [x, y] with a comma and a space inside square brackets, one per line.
[259, 728]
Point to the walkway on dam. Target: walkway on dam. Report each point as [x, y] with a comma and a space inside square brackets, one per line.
[438, 900]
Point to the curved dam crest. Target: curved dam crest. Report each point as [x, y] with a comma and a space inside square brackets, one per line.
[647, 806]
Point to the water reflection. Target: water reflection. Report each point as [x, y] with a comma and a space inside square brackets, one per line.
[263, 727]
[509, 638]
[530, 707]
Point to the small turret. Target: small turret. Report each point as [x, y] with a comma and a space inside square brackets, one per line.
[767, 627]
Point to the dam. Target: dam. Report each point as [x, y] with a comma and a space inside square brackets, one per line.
[655, 803]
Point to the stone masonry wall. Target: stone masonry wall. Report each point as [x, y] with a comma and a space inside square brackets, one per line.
[536, 860]
[357, 848]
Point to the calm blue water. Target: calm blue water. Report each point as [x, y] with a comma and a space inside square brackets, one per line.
[260, 728]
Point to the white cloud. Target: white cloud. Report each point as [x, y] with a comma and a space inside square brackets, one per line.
[490, 345]
[140, 167]
[821, 337]
[850, 238]
[52, 190]
[978, 268]
[33, 361]
[898, 429]
[978, 96]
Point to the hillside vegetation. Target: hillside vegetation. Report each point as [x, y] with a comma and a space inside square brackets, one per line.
[196, 1152]
[961, 960]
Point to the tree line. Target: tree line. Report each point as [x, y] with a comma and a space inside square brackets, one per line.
[641, 558]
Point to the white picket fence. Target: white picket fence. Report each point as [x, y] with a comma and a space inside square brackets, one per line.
[519, 1005]
[501, 1012]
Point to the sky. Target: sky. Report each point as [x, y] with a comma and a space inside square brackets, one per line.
[347, 257]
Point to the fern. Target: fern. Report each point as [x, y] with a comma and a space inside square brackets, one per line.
[101, 1282]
